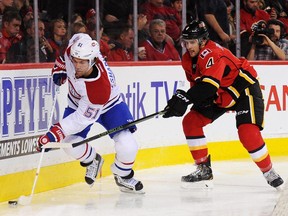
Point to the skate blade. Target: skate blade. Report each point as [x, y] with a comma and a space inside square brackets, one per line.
[207, 184]
[126, 190]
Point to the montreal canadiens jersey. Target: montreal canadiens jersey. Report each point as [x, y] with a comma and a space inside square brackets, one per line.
[90, 97]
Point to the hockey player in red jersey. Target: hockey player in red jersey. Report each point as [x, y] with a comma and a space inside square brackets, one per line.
[219, 82]
[93, 96]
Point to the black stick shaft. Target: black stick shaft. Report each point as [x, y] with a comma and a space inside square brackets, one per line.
[122, 127]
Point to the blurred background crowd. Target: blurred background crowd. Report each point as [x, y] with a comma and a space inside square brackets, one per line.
[140, 30]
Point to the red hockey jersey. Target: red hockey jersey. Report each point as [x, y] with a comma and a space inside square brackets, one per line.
[217, 66]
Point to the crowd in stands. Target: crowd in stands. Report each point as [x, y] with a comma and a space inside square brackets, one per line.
[263, 28]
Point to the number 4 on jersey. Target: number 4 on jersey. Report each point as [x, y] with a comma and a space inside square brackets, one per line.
[210, 62]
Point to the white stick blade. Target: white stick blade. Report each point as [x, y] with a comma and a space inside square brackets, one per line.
[24, 200]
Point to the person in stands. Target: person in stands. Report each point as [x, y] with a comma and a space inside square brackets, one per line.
[156, 46]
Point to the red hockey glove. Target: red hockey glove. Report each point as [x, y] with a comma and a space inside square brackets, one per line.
[55, 134]
[177, 105]
[59, 74]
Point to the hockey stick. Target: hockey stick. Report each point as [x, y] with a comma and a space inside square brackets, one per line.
[125, 126]
[26, 200]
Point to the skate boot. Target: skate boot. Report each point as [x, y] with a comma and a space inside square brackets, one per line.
[203, 173]
[92, 169]
[128, 184]
[273, 178]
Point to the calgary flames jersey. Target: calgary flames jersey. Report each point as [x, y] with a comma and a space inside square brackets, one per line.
[217, 66]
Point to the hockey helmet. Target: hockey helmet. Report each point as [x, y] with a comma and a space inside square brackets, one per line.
[85, 48]
[195, 30]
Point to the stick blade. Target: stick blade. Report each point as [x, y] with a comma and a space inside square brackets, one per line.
[24, 200]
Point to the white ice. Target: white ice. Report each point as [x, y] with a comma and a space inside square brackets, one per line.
[239, 189]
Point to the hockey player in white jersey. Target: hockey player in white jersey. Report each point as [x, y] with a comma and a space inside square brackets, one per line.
[93, 96]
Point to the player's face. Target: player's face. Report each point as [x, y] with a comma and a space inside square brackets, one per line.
[81, 67]
[192, 46]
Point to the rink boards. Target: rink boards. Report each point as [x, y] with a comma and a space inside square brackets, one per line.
[27, 92]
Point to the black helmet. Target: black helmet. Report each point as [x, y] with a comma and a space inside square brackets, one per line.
[195, 30]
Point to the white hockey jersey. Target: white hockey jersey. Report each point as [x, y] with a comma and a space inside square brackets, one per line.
[89, 97]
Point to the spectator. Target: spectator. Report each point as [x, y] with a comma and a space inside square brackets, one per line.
[123, 41]
[24, 51]
[279, 10]
[104, 46]
[270, 46]
[232, 26]
[275, 8]
[58, 39]
[78, 27]
[177, 5]
[142, 33]
[90, 16]
[76, 18]
[157, 49]
[21, 3]
[217, 21]
[249, 14]
[10, 32]
[118, 11]
[44, 45]
[155, 9]
[261, 5]
[26, 13]
[4, 4]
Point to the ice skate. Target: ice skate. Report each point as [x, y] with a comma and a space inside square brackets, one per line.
[273, 178]
[128, 184]
[93, 169]
[202, 176]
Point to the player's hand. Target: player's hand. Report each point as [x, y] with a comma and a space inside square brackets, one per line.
[59, 74]
[55, 134]
[177, 105]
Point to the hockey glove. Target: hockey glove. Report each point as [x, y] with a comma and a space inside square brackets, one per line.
[55, 134]
[59, 74]
[177, 105]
